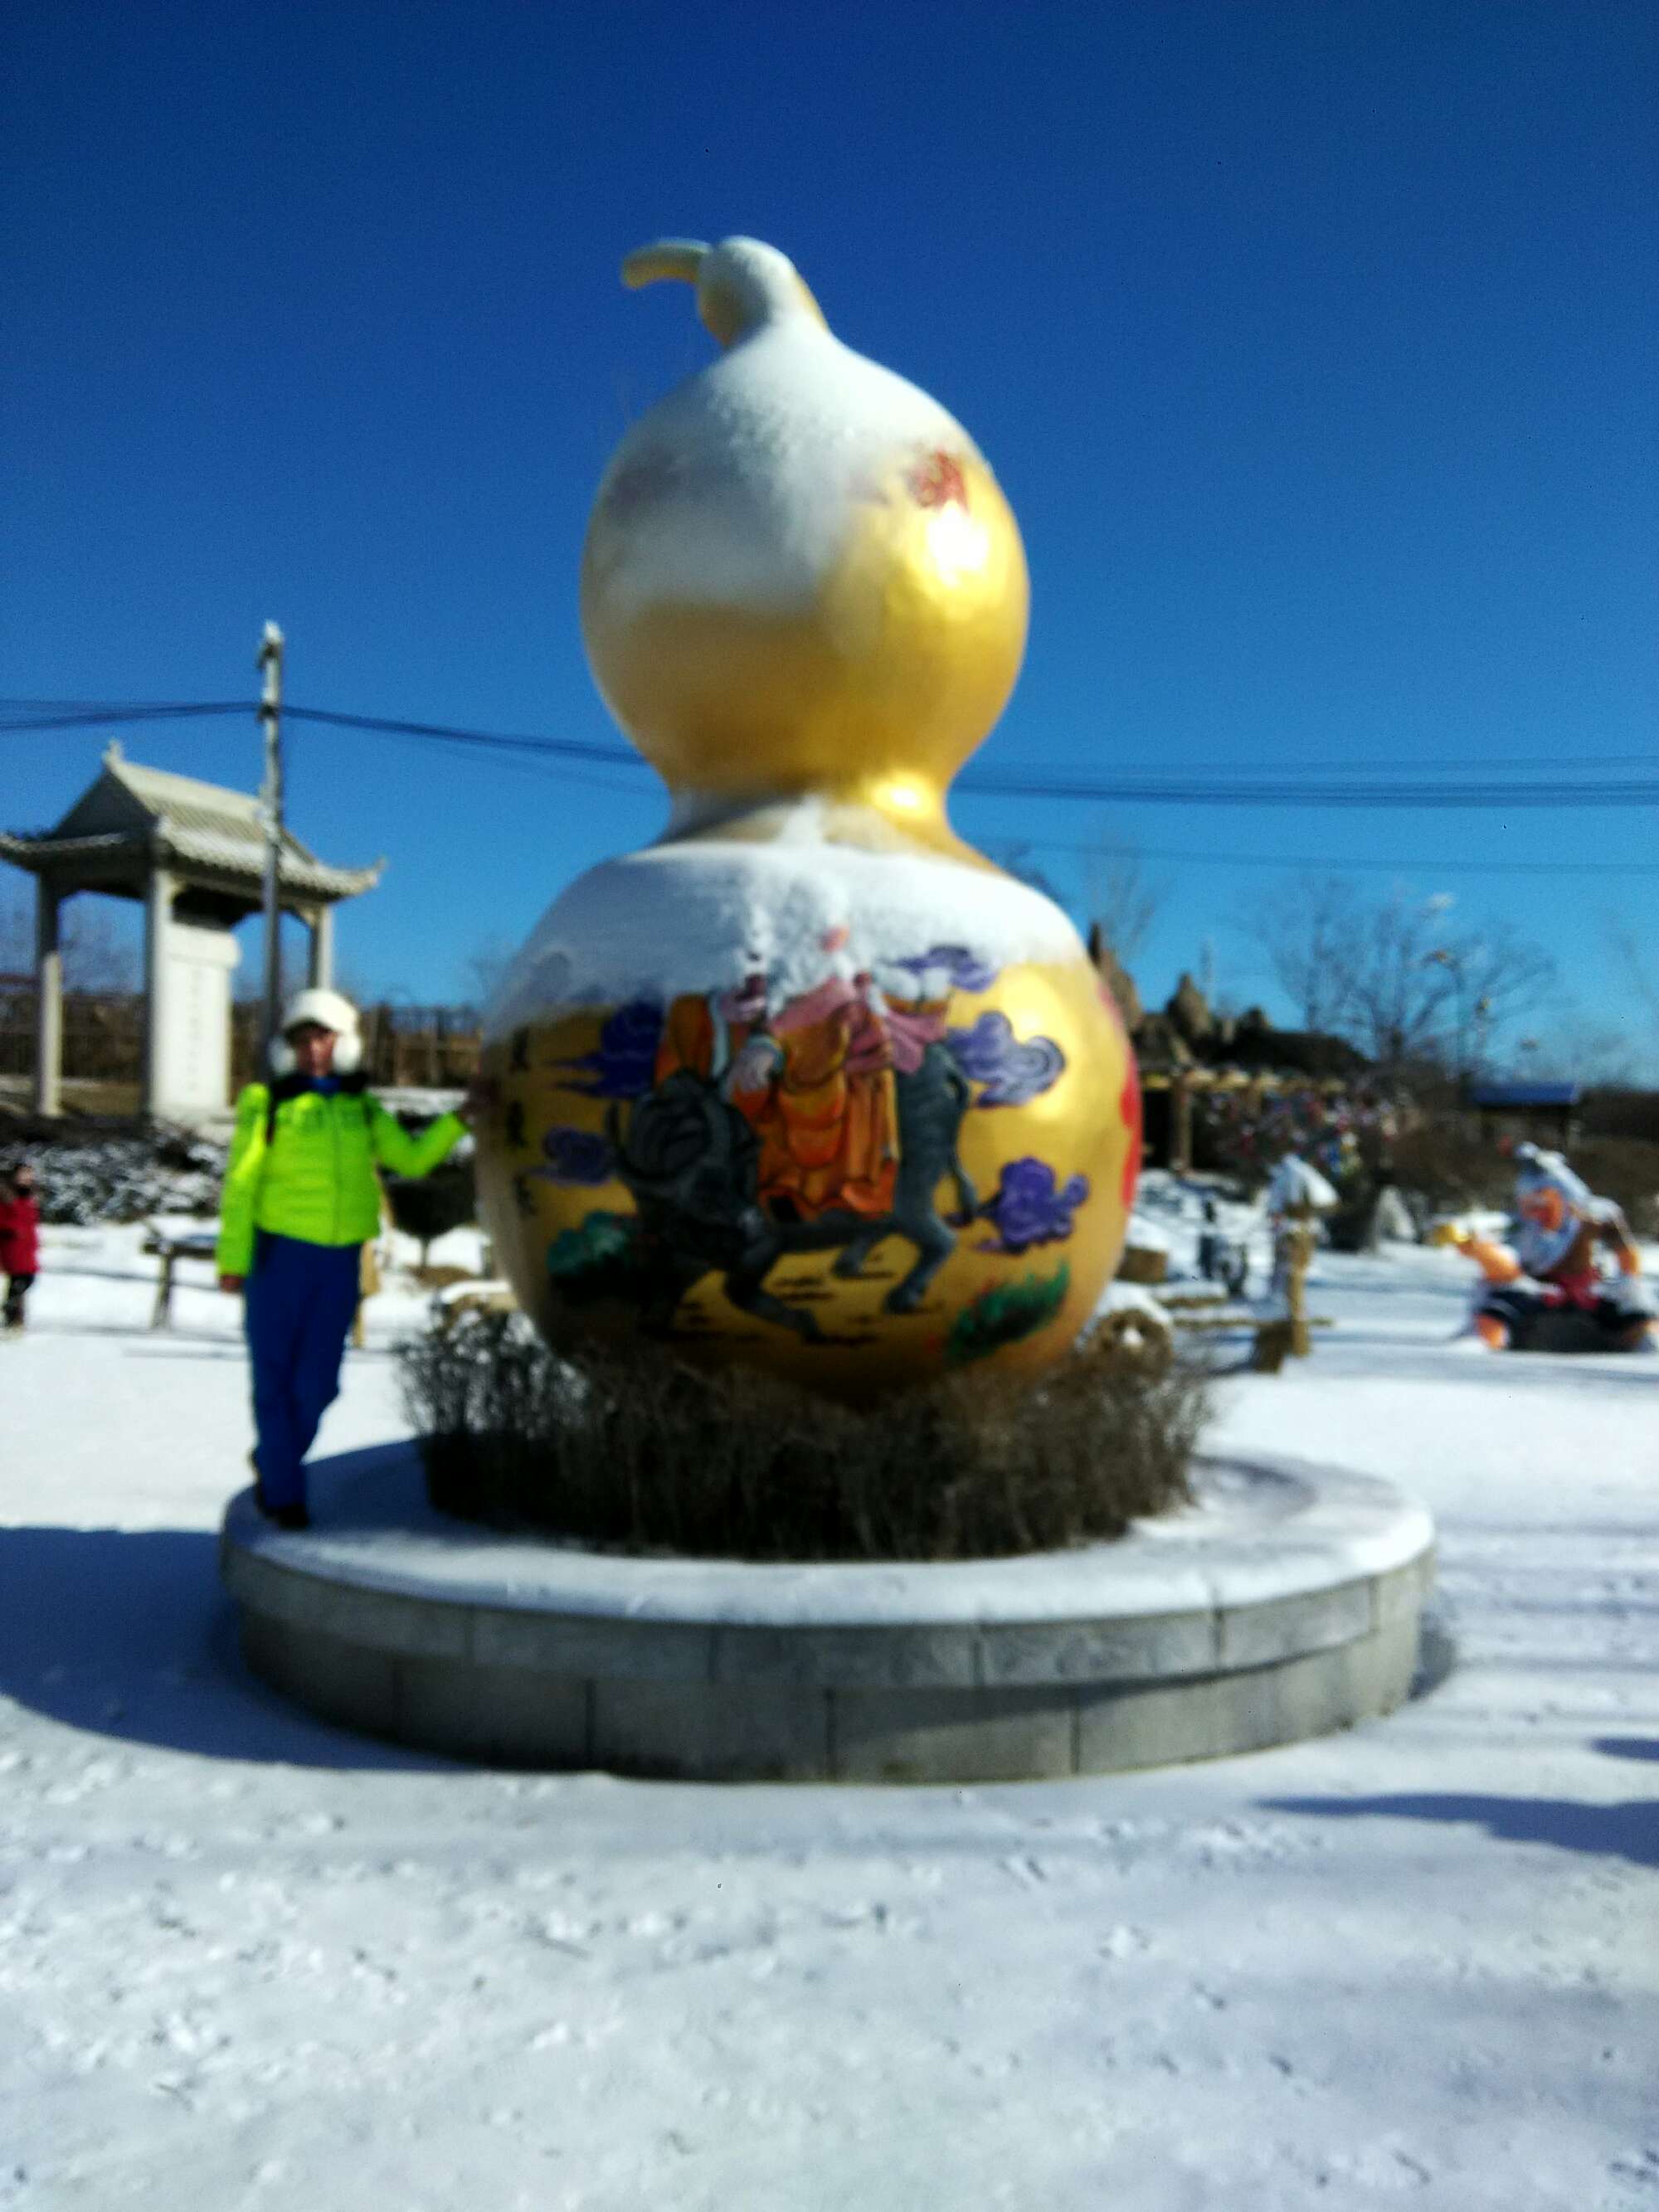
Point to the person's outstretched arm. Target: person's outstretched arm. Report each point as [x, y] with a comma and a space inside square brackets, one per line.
[400, 1154]
[1612, 1229]
[234, 1254]
[1496, 1261]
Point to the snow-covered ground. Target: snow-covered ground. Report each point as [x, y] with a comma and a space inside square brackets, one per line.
[246, 1960]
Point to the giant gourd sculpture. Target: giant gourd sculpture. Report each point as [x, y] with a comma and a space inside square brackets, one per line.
[808, 1082]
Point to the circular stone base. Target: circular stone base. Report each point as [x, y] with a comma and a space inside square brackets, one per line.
[1284, 1602]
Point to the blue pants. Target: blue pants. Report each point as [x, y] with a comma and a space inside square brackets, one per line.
[300, 1300]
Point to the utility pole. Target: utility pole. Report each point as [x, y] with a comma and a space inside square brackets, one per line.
[269, 663]
[1442, 957]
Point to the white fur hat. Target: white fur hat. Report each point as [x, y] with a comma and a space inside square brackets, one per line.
[326, 1010]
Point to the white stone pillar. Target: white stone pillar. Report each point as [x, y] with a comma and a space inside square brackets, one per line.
[193, 1083]
[48, 999]
[321, 973]
[158, 916]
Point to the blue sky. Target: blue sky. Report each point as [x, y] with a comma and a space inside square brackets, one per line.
[1313, 345]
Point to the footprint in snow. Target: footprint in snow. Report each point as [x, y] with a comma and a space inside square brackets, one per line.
[1123, 1942]
[1030, 1872]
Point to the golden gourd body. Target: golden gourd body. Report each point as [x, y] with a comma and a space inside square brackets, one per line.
[808, 1082]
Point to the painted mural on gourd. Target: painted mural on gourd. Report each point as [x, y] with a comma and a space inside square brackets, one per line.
[808, 1082]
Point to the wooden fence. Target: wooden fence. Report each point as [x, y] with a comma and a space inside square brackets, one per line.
[435, 1048]
[103, 1034]
[405, 1046]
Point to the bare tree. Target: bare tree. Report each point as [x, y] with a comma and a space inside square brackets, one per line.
[1640, 973]
[96, 956]
[1393, 977]
[1403, 986]
[1574, 1045]
[1314, 932]
[1123, 900]
[1497, 977]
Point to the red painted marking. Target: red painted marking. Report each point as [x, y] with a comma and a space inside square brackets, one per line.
[1129, 1107]
[938, 482]
[1115, 1011]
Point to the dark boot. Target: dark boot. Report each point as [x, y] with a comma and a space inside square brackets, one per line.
[284, 1516]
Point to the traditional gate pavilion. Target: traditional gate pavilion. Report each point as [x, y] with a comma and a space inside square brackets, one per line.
[194, 852]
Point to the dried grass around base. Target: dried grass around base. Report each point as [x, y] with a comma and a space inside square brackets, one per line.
[641, 1452]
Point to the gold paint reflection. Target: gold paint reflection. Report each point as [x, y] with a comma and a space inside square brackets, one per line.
[886, 683]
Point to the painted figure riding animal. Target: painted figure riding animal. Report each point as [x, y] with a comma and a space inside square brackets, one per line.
[691, 1163]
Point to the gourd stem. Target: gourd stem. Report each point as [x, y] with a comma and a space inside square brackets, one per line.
[679, 258]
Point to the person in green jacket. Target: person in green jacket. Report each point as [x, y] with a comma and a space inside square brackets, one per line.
[300, 1200]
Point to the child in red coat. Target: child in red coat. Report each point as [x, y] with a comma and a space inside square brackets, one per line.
[20, 1243]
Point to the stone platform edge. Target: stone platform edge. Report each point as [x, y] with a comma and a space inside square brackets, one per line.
[1262, 1529]
[1289, 1635]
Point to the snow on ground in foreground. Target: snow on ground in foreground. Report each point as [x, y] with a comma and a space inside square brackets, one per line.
[246, 1960]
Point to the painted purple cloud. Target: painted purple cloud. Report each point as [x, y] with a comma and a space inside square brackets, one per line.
[581, 1156]
[624, 1060]
[965, 971]
[1012, 1073]
[1028, 1210]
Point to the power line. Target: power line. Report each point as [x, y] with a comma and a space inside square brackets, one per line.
[53, 705]
[1415, 796]
[1122, 790]
[1497, 761]
[51, 714]
[85, 715]
[988, 784]
[559, 748]
[1329, 866]
[79, 715]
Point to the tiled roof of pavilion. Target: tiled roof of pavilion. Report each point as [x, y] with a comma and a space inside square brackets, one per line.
[148, 815]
